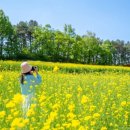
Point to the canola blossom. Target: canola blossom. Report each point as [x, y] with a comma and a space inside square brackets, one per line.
[67, 101]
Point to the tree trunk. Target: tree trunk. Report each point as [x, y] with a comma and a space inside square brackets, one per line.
[1, 47]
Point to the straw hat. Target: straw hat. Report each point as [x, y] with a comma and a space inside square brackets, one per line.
[25, 67]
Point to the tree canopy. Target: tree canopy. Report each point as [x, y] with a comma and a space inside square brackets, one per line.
[29, 40]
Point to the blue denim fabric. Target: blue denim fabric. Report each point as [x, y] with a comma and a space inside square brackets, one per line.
[30, 82]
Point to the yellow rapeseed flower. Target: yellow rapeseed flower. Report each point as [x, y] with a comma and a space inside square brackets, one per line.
[10, 104]
[1, 78]
[124, 103]
[52, 115]
[16, 113]
[18, 122]
[126, 114]
[118, 95]
[75, 123]
[104, 128]
[68, 96]
[92, 108]
[12, 129]
[82, 128]
[18, 98]
[84, 99]
[2, 114]
[42, 98]
[67, 125]
[93, 123]
[96, 115]
[55, 69]
[33, 119]
[71, 107]
[80, 89]
[87, 118]
[30, 112]
[55, 106]
[95, 84]
[33, 106]
[71, 116]
[46, 127]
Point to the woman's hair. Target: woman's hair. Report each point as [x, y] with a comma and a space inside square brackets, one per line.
[22, 77]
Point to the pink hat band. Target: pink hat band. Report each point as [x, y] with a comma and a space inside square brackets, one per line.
[25, 67]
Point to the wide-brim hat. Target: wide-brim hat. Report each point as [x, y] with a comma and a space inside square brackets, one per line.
[25, 67]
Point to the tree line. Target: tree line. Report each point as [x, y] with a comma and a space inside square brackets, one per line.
[29, 40]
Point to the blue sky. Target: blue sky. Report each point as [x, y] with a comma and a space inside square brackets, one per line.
[109, 19]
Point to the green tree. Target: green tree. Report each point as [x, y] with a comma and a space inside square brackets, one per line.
[59, 52]
[5, 32]
[69, 36]
[91, 48]
[106, 53]
[31, 27]
[77, 49]
[22, 33]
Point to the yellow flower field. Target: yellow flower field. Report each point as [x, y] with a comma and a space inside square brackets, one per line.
[67, 101]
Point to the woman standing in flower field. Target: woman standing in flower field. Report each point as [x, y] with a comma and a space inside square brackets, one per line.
[28, 83]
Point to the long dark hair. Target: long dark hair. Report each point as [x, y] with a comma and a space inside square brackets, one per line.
[22, 77]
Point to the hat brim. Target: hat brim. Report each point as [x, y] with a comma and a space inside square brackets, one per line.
[28, 69]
